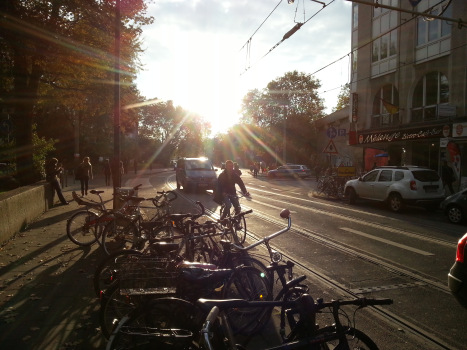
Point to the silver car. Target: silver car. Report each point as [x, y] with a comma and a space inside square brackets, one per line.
[195, 173]
[290, 170]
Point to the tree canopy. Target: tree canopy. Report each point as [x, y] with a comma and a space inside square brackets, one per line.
[284, 110]
[58, 65]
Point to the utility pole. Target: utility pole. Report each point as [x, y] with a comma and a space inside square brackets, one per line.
[116, 176]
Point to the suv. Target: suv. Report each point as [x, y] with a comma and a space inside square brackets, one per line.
[398, 186]
[194, 173]
[290, 170]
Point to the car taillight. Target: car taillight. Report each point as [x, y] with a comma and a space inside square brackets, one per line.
[413, 185]
[461, 249]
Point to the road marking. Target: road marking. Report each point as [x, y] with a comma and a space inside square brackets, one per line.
[368, 223]
[402, 246]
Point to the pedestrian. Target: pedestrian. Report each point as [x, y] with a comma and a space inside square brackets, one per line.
[135, 165]
[84, 173]
[52, 173]
[107, 172]
[448, 176]
[255, 169]
[236, 169]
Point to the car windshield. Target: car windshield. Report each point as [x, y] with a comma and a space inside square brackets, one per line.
[198, 164]
[425, 175]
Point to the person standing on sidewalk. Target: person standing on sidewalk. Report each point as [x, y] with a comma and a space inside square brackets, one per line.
[84, 173]
[52, 173]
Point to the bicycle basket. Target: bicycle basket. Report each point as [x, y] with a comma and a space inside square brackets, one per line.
[147, 276]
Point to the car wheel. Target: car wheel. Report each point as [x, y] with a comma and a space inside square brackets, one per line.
[352, 196]
[455, 214]
[395, 202]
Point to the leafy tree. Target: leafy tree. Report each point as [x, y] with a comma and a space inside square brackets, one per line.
[343, 99]
[287, 106]
[59, 56]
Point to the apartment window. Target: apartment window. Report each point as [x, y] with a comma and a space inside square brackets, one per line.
[430, 91]
[354, 15]
[386, 107]
[432, 30]
[385, 39]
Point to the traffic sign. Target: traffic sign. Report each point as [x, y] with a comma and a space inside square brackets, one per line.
[330, 148]
[331, 132]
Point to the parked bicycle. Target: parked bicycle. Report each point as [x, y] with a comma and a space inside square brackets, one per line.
[86, 227]
[300, 315]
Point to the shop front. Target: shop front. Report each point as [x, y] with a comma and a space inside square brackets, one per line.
[423, 146]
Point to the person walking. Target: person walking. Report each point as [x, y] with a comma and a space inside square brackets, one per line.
[52, 173]
[226, 185]
[237, 169]
[447, 175]
[84, 173]
[107, 172]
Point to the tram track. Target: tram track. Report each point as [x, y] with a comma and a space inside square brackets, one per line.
[426, 335]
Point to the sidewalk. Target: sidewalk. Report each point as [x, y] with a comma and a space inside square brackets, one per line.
[46, 294]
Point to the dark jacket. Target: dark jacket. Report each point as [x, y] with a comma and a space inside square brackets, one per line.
[227, 182]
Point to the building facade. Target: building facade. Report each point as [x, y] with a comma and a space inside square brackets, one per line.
[408, 86]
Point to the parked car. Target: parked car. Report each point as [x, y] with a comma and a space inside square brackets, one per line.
[195, 173]
[398, 186]
[290, 170]
[455, 207]
[457, 276]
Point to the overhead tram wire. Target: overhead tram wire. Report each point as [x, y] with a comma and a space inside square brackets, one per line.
[289, 34]
[248, 42]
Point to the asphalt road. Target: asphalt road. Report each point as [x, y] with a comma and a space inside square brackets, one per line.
[47, 302]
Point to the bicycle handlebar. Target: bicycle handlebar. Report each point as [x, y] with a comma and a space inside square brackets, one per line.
[285, 213]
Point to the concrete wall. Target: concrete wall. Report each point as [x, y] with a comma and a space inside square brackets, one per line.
[22, 206]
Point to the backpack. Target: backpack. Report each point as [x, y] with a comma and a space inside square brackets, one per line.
[217, 194]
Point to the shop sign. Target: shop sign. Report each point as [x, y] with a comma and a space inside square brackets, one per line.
[459, 129]
[402, 135]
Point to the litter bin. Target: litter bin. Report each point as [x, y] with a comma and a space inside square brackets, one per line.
[123, 192]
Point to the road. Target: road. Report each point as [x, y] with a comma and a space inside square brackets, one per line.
[47, 301]
[365, 250]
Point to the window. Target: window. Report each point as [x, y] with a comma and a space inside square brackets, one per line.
[428, 29]
[385, 39]
[371, 176]
[398, 175]
[386, 107]
[430, 91]
[354, 15]
[385, 176]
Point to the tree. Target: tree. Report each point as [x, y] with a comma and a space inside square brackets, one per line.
[285, 109]
[343, 99]
[60, 54]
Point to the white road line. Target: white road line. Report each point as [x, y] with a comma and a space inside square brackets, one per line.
[270, 206]
[403, 246]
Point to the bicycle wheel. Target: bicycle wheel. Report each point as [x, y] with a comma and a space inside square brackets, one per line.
[106, 272]
[115, 305]
[158, 325]
[82, 228]
[118, 235]
[247, 283]
[354, 338]
[239, 227]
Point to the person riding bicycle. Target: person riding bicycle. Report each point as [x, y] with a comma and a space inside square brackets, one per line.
[226, 185]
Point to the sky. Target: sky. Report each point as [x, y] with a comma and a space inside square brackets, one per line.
[197, 52]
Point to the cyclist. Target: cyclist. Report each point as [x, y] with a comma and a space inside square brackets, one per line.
[226, 185]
